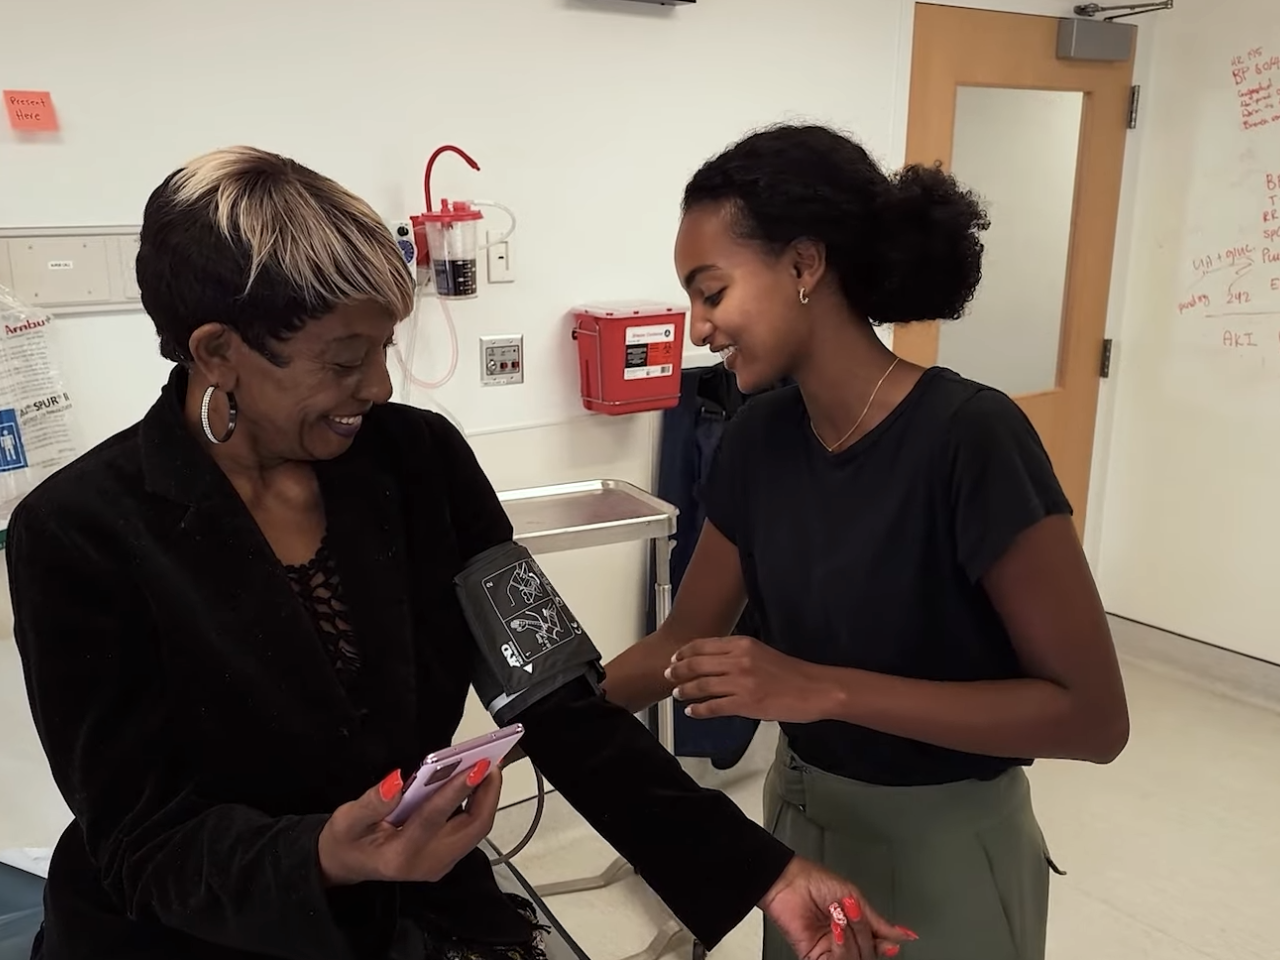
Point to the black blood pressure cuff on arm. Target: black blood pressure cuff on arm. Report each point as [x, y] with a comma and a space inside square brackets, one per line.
[528, 642]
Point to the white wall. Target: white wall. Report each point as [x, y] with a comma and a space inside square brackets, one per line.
[1189, 537]
[586, 116]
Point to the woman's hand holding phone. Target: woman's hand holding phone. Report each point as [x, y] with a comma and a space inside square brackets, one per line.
[358, 845]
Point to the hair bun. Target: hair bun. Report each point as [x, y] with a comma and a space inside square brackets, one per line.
[931, 247]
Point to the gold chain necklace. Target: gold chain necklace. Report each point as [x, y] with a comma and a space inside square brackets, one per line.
[865, 410]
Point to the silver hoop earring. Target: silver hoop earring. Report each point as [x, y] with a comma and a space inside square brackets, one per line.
[232, 411]
[804, 295]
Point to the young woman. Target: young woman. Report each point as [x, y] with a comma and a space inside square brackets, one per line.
[929, 623]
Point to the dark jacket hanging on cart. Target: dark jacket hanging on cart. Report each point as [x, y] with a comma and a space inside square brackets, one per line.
[709, 397]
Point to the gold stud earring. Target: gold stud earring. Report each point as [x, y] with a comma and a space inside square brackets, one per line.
[804, 295]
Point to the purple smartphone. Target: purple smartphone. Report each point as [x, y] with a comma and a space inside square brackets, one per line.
[441, 767]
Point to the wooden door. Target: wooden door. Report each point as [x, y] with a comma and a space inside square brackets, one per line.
[992, 102]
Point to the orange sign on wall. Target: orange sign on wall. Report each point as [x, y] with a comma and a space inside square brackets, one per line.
[30, 110]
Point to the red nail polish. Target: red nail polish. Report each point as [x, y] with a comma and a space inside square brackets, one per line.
[891, 950]
[909, 934]
[852, 909]
[478, 773]
[837, 932]
[390, 788]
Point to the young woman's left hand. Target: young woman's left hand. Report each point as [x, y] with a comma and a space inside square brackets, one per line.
[742, 677]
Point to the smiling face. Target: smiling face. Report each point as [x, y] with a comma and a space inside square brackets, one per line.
[310, 404]
[744, 302]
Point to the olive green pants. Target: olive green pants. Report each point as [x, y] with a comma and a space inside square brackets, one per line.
[964, 865]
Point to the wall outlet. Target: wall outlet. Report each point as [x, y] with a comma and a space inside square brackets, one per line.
[501, 361]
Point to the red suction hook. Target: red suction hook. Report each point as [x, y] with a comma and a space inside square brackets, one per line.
[426, 180]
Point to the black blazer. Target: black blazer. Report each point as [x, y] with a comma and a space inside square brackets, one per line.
[201, 737]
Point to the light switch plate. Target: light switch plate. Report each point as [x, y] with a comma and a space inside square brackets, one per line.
[499, 259]
[55, 270]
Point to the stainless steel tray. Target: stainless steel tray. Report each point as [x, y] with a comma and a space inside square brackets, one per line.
[593, 513]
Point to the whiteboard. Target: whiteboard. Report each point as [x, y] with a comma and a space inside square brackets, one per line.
[1191, 530]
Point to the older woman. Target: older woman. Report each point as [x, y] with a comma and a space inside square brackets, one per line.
[238, 614]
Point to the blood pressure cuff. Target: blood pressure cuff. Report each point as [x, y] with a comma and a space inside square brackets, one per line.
[529, 643]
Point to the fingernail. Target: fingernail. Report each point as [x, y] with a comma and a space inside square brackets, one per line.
[676, 693]
[837, 932]
[909, 934]
[667, 673]
[837, 916]
[675, 656]
[390, 788]
[852, 909]
[478, 773]
[891, 950]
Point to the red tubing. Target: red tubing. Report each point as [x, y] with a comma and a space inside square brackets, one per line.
[426, 177]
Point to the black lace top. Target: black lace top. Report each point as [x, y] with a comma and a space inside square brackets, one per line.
[318, 585]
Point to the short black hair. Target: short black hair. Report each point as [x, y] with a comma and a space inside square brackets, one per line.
[903, 247]
[262, 244]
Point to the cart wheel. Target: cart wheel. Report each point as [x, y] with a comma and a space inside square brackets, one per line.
[699, 951]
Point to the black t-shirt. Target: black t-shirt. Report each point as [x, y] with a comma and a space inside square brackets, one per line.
[872, 557]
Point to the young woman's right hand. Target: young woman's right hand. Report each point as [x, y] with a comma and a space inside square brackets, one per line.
[357, 844]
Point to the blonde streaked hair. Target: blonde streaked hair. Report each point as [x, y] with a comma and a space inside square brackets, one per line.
[294, 245]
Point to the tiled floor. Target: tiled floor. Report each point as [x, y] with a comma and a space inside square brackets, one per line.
[1173, 851]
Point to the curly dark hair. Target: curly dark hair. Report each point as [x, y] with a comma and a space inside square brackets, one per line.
[904, 247]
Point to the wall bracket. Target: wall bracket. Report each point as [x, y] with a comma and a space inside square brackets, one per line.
[1127, 9]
